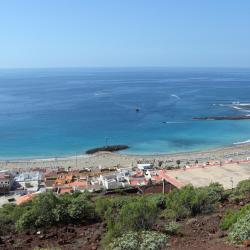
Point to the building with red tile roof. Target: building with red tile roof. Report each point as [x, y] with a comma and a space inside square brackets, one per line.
[25, 198]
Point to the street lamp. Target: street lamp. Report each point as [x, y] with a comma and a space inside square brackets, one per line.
[232, 182]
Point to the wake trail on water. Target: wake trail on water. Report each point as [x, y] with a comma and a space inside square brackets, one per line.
[244, 107]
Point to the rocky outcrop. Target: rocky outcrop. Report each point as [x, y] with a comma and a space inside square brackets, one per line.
[111, 148]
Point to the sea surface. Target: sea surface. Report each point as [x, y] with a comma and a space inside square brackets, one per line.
[61, 112]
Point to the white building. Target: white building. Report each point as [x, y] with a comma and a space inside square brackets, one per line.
[144, 166]
[30, 180]
[113, 181]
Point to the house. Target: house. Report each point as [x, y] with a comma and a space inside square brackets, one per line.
[144, 166]
[30, 180]
[25, 198]
[126, 171]
[152, 175]
[113, 181]
[63, 190]
[79, 185]
[137, 181]
[6, 181]
[63, 179]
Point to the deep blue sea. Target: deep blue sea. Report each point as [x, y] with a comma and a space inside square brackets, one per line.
[60, 112]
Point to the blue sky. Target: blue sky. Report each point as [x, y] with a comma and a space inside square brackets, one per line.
[86, 33]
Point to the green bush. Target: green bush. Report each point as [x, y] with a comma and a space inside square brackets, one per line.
[228, 219]
[47, 210]
[190, 201]
[243, 187]
[101, 206]
[158, 199]
[81, 209]
[6, 224]
[137, 214]
[172, 228]
[145, 240]
[240, 230]
[241, 191]
[231, 216]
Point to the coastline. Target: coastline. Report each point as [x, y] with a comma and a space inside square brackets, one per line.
[107, 159]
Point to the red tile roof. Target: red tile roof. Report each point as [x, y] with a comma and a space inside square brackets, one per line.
[163, 174]
[25, 198]
[65, 190]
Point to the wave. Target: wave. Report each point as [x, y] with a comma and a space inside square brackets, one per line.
[172, 122]
[242, 142]
[176, 96]
[245, 107]
[100, 93]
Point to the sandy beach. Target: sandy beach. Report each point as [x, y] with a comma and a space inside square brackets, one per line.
[105, 159]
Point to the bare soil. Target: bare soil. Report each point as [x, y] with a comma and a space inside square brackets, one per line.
[202, 233]
[65, 237]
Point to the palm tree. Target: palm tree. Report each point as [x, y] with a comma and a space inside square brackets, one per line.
[178, 162]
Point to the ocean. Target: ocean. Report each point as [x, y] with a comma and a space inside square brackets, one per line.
[61, 112]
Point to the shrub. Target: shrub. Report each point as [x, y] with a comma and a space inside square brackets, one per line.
[135, 215]
[243, 187]
[128, 241]
[231, 216]
[240, 230]
[40, 213]
[190, 201]
[145, 240]
[138, 215]
[172, 228]
[101, 206]
[47, 210]
[81, 209]
[228, 219]
[241, 191]
[158, 199]
[6, 224]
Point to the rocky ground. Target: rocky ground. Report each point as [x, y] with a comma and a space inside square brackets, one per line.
[65, 237]
[202, 233]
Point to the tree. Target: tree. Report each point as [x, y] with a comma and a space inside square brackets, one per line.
[81, 209]
[178, 162]
[138, 215]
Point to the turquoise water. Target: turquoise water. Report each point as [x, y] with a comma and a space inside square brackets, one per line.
[61, 112]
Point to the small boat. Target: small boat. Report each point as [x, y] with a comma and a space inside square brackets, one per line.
[137, 110]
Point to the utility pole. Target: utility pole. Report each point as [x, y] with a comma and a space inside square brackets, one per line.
[163, 186]
[232, 182]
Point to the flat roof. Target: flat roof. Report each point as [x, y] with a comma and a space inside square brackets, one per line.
[199, 177]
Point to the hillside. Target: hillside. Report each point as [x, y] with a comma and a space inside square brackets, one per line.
[189, 218]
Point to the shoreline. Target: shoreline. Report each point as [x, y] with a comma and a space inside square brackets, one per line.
[239, 145]
[108, 159]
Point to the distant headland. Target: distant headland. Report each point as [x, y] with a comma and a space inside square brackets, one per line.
[242, 117]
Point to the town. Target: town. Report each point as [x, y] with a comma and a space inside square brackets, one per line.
[21, 185]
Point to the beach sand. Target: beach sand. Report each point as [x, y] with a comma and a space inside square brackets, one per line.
[106, 159]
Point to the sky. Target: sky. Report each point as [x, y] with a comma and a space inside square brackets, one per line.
[124, 33]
